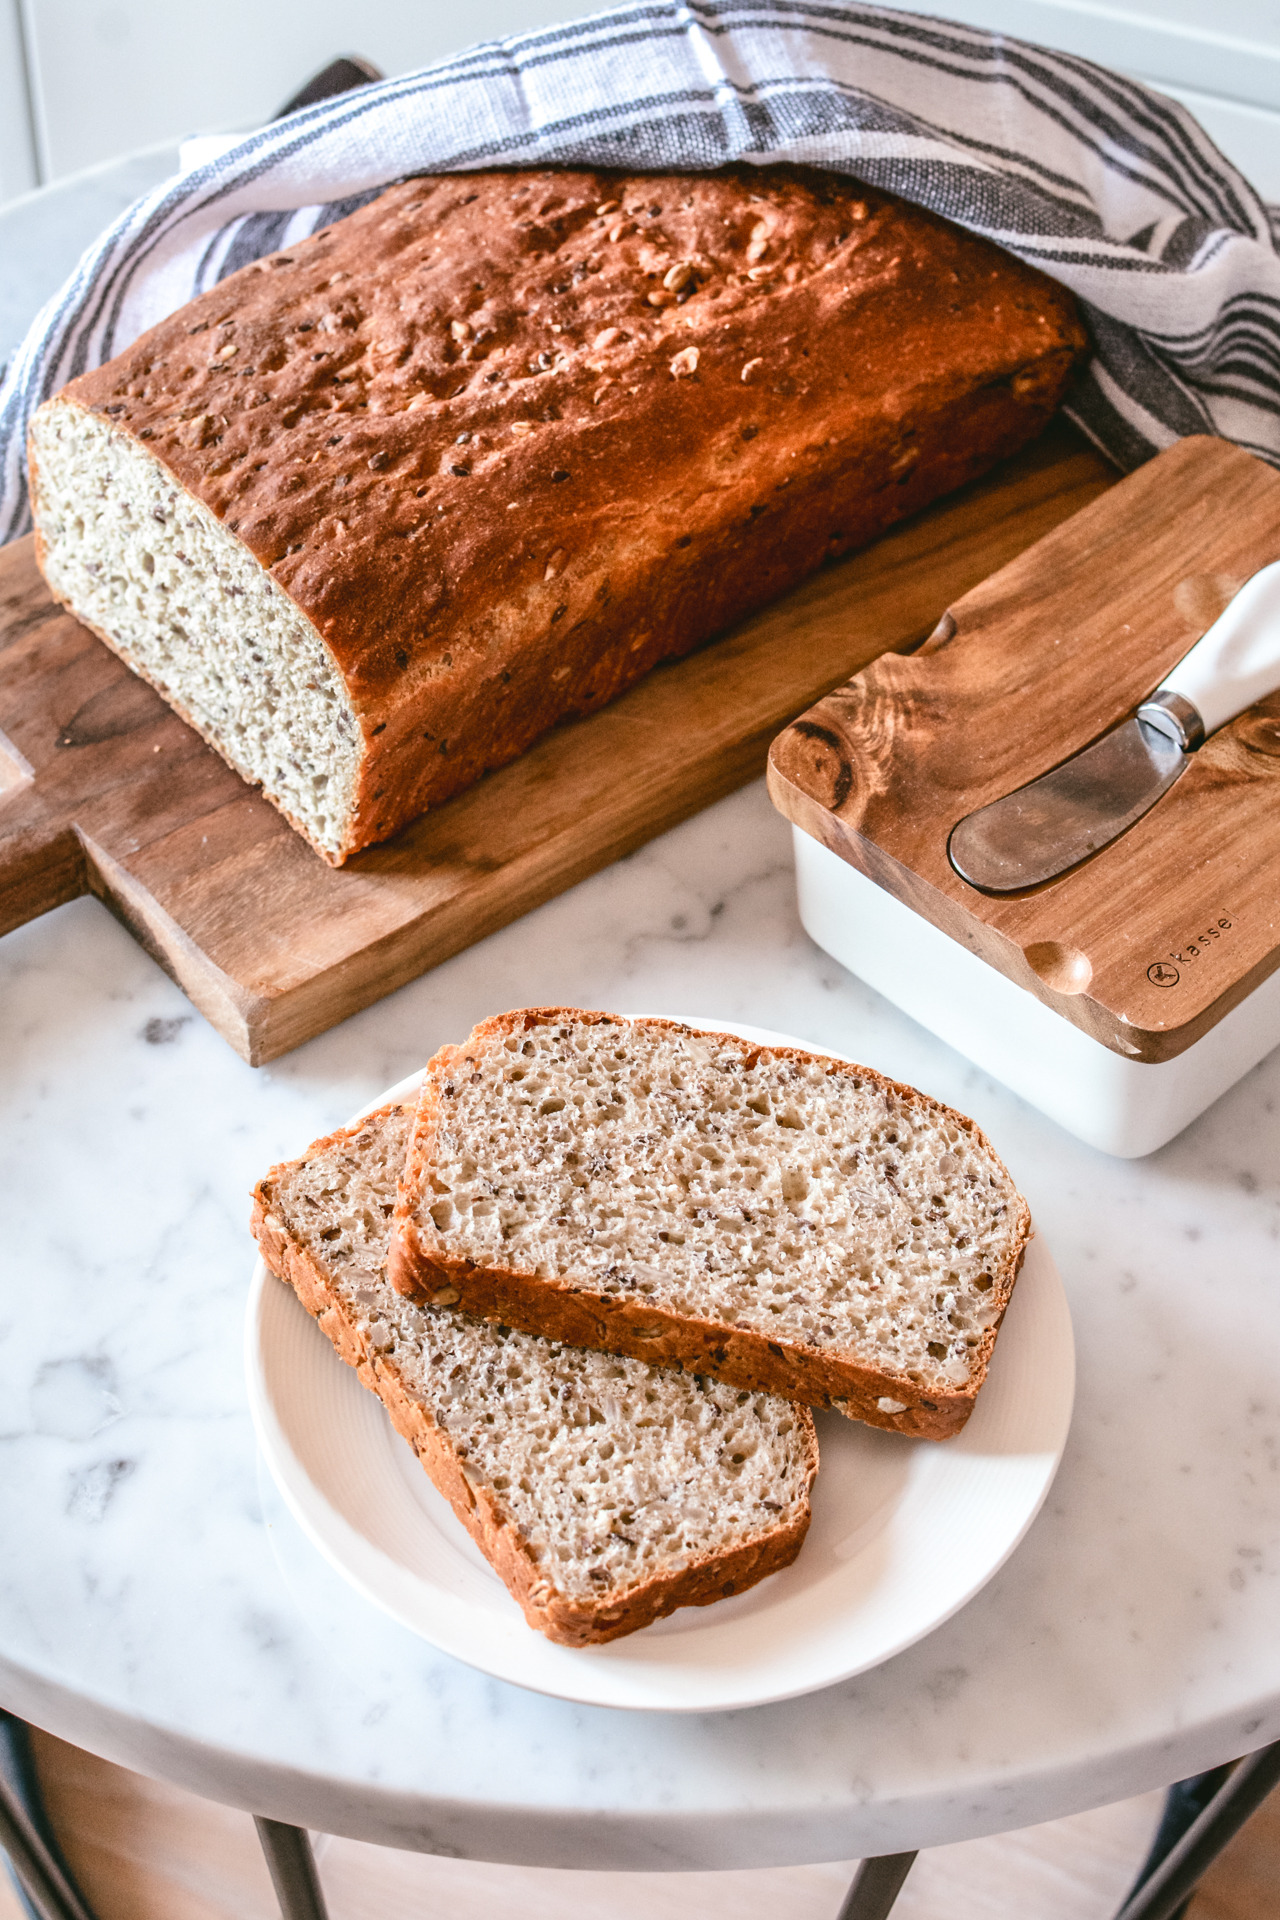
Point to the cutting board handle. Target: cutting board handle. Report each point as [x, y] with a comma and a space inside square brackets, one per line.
[1238, 660]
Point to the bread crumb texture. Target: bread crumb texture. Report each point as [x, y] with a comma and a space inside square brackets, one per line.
[505, 440]
[773, 1191]
[613, 1473]
[146, 564]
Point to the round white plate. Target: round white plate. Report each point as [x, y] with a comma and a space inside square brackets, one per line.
[904, 1531]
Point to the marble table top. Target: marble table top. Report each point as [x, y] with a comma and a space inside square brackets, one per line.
[159, 1606]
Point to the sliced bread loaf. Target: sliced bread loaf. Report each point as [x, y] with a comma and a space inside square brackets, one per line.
[781, 1220]
[375, 512]
[605, 1492]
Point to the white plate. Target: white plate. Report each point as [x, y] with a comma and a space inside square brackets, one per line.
[904, 1531]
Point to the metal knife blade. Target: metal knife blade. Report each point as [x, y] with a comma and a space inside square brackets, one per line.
[1050, 825]
[1042, 829]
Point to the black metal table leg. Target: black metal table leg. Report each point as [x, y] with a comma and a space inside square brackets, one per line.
[293, 1870]
[875, 1887]
[44, 1879]
[1184, 1802]
[1163, 1892]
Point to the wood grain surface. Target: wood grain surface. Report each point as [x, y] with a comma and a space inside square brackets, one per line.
[1151, 941]
[103, 789]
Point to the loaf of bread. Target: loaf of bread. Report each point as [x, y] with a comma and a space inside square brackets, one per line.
[605, 1492]
[781, 1220]
[374, 513]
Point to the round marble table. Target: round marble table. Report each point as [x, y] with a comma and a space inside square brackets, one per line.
[159, 1606]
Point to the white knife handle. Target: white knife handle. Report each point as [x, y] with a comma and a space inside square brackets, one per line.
[1238, 660]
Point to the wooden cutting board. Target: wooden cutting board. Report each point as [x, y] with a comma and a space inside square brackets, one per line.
[104, 790]
[1147, 944]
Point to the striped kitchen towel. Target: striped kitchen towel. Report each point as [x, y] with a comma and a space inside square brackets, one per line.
[1109, 187]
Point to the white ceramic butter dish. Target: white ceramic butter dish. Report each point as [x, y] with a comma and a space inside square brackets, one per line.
[1126, 994]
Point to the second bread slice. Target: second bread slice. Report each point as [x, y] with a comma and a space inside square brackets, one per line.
[603, 1491]
[779, 1219]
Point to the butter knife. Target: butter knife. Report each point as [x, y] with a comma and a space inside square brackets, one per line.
[1052, 824]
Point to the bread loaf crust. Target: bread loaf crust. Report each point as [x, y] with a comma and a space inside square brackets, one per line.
[570, 1308]
[568, 1621]
[509, 439]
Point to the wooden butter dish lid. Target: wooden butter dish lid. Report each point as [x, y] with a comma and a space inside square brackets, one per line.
[1149, 943]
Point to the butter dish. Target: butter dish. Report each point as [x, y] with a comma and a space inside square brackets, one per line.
[1126, 994]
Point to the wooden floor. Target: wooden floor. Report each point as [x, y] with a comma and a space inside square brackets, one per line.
[147, 1852]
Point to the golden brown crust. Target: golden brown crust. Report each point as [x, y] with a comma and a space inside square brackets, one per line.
[568, 1621]
[507, 451]
[571, 1309]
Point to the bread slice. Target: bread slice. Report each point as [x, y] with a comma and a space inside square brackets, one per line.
[781, 1220]
[604, 1492]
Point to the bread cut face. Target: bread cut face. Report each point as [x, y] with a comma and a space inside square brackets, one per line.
[606, 1492]
[148, 567]
[778, 1218]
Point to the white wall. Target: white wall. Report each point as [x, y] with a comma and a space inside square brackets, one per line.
[115, 74]
[110, 76]
[18, 169]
